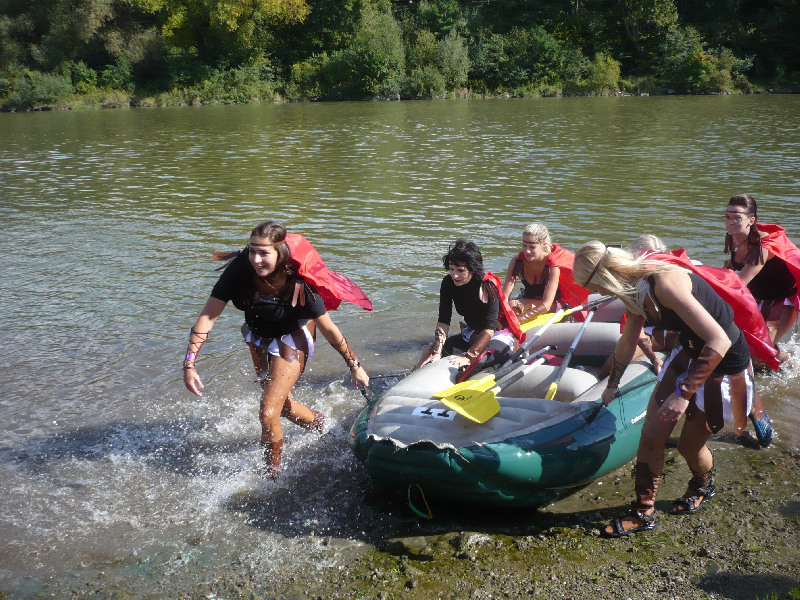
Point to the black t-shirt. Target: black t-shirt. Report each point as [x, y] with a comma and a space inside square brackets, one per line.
[478, 315]
[267, 315]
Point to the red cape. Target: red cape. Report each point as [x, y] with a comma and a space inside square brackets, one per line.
[505, 308]
[571, 292]
[780, 245]
[332, 286]
[731, 289]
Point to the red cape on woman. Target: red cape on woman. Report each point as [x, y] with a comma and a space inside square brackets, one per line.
[505, 308]
[731, 289]
[332, 286]
[782, 247]
[571, 292]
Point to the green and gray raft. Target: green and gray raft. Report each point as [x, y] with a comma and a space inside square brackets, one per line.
[531, 452]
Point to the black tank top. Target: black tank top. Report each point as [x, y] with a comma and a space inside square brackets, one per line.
[773, 282]
[737, 357]
[533, 291]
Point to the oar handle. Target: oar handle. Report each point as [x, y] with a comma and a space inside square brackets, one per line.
[551, 392]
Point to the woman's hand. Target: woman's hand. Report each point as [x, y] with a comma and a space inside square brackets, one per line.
[428, 356]
[359, 376]
[673, 408]
[608, 395]
[191, 380]
[459, 361]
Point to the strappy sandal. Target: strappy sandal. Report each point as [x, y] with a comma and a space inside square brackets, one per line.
[619, 530]
[693, 499]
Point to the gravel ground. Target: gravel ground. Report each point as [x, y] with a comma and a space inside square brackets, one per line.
[743, 545]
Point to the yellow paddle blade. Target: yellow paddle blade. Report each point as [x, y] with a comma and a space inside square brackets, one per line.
[537, 322]
[482, 384]
[474, 405]
[551, 391]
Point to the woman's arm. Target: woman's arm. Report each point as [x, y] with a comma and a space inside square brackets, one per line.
[335, 338]
[511, 280]
[624, 352]
[197, 337]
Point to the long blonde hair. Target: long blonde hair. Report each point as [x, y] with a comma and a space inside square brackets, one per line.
[615, 270]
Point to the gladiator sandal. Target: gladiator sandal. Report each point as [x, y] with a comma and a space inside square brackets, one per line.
[701, 488]
[646, 487]
[272, 457]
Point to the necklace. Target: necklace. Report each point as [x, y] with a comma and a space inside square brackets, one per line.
[739, 245]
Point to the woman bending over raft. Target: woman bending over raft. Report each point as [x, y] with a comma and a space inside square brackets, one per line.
[545, 271]
[712, 350]
[491, 325]
[767, 262]
[281, 312]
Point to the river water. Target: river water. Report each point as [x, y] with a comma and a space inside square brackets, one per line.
[110, 467]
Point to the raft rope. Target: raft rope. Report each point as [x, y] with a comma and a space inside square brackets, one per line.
[429, 514]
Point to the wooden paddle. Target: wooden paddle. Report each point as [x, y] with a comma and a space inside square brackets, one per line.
[480, 406]
[551, 391]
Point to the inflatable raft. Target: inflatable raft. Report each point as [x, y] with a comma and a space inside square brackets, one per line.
[531, 452]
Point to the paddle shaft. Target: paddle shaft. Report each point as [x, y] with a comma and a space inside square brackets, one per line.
[508, 367]
[551, 392]
[557, 316]
[516, 376]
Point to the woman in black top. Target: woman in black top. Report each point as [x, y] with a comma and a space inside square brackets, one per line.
[706, 377]
[762, 255]
[282, 313]
[477, 297]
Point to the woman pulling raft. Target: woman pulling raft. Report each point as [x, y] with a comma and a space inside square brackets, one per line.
[712, 350]
[282, 311]
[491, 326]
[545, 271]
[767, 262]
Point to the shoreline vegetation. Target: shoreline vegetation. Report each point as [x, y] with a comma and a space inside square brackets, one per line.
[75, 54]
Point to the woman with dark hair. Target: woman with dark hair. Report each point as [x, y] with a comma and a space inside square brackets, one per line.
[491, 325]
[706, 377]
[767, 262]
[282, 311]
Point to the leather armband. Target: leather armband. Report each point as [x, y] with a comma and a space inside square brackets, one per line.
[700, 369]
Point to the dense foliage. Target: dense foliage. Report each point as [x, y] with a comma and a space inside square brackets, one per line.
[56, 53]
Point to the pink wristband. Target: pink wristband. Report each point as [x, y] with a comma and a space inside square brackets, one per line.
[191, 356]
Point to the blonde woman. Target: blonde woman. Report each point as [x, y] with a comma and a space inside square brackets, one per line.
[545, 272]
[712, 350]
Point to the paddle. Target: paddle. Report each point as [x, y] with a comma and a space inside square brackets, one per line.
[551, 319]
[480, 406]
[555, 318]
[551, 391]
[487, 381]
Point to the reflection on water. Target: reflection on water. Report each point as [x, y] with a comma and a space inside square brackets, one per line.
[109, 219]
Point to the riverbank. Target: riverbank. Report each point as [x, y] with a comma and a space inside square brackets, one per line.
[743, 545]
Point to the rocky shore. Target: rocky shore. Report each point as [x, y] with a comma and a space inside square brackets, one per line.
[743, 545]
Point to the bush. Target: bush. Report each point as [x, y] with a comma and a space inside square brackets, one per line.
[425, 83]
[453, 59]
[604, 74]
[83, 78]
[38, 90]
[118, 76]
